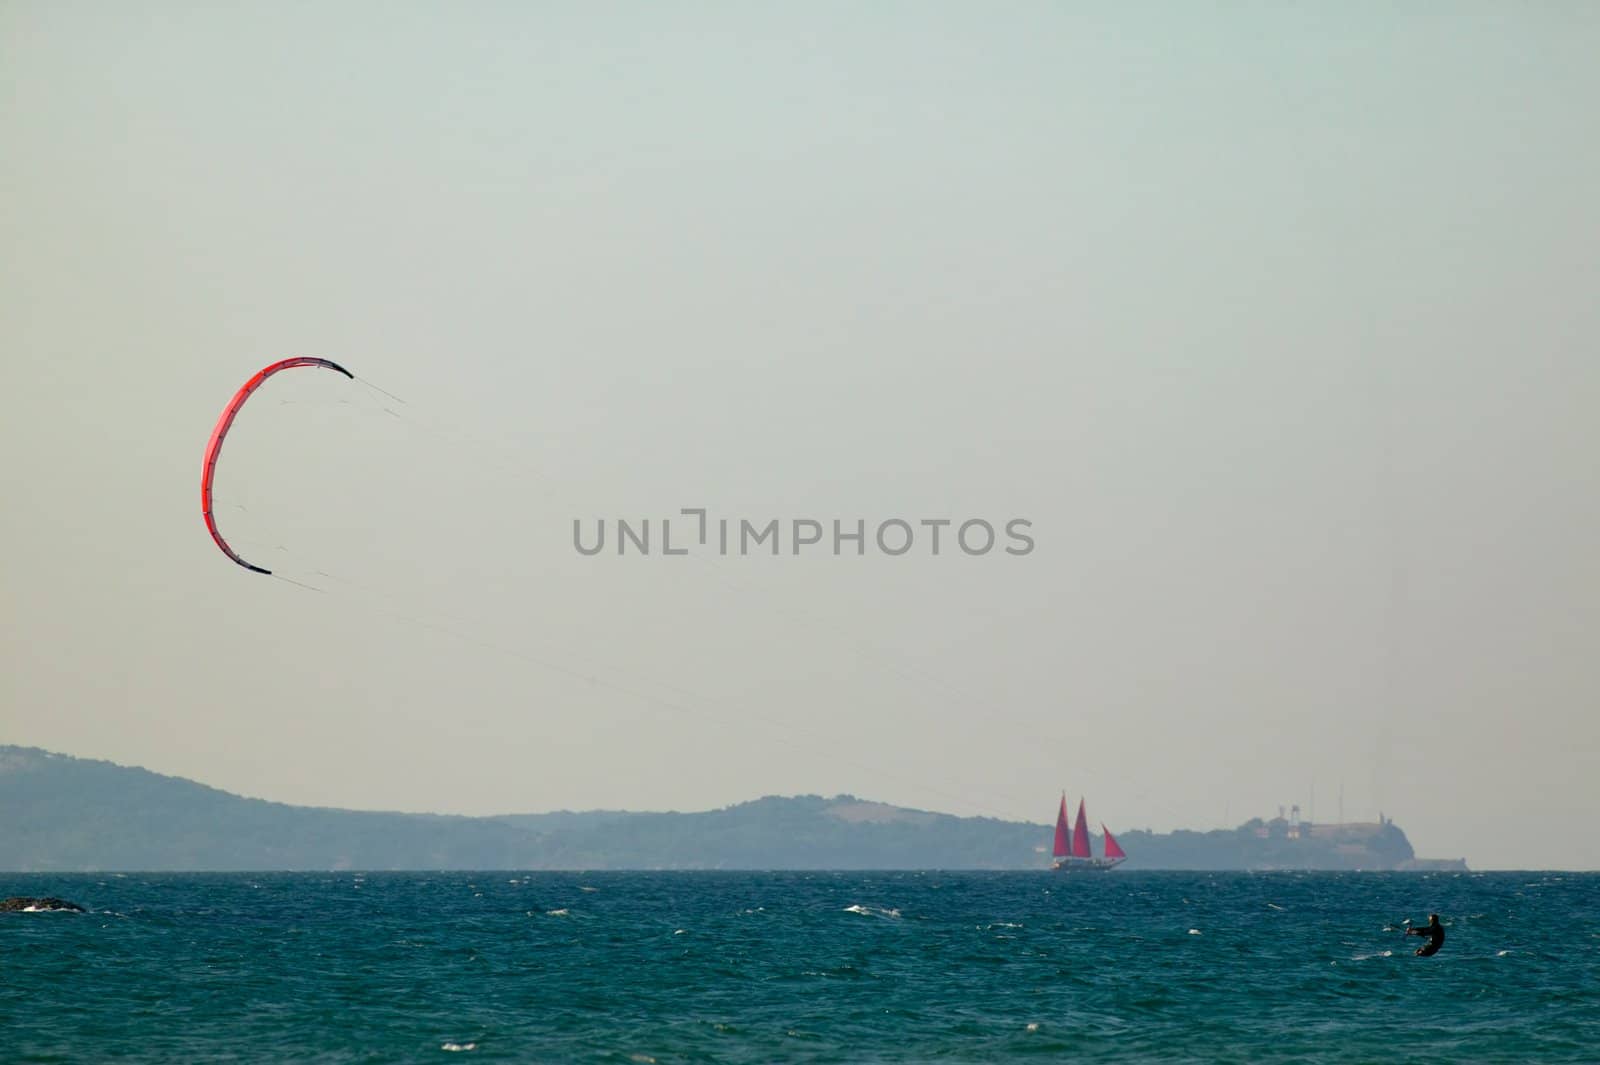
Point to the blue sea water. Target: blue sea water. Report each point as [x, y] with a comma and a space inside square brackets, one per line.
[813, 967]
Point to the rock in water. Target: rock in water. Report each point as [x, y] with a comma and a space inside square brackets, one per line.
[24, 902]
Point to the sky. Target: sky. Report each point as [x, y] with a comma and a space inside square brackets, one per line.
[1277, 325]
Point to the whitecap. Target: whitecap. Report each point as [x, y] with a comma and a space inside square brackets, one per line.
[558, 913]
[1194, 931]
[458, 1046]
[1502, 953]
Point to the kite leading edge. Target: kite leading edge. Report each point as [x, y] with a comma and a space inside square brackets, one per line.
[214, 448]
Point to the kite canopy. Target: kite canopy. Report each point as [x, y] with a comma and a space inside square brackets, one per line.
[214, 448]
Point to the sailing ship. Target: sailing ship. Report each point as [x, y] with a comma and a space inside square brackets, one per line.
[1071, 851]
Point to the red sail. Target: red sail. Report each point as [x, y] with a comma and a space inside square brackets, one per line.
[1061, 848]
[1112, 850]
[1080, 834]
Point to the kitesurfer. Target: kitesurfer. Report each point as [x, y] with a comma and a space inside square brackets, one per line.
[1435, 933]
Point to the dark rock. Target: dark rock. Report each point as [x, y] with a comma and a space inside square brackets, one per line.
[24, 902]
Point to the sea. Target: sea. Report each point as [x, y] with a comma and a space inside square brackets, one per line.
[804, 967]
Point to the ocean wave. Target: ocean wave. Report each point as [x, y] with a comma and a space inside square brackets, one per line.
[1099, 960]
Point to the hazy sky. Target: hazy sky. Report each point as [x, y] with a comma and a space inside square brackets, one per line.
[1279, 326]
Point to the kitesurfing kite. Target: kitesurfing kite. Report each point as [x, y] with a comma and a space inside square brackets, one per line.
[214, 448]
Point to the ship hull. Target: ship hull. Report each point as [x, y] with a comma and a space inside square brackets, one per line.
[1085, 865]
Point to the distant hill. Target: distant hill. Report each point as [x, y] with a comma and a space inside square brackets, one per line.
[59, 813]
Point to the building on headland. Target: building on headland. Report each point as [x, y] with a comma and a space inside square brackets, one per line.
[1289, 842]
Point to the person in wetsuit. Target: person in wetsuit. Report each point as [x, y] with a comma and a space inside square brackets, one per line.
[1435, 933]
